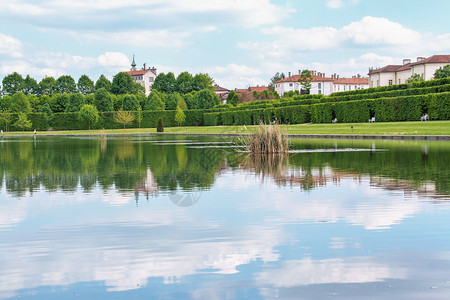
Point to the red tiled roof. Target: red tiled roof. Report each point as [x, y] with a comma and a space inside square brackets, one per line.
[435, 59]
[218, 89]
[351, 81]
[387, 69]
[259, 89]
[240, 91]
[138, 72]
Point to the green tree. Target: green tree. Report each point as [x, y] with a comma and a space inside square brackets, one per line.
[160, 126]
[34, 101]
[46, 110]
[20, 103]
[59, 102]
[85, 85]
[274, 79]
[305, 80]
[130, 103]
[414, 78]
[47, 86]
[182, 104]
[202, 81]
[88, 114]
[103, 82]
[138, 88]
[172, 101]
[103, 101]
[207, 99]
[30, 86]
[6, 117]
[76, 102]
[23, 122]
[184, 83]
[123, 117]
[13, 83]
[154, 102]
[442, 72]
[180, 117]
[122, 84]
[232, 98]
[66, 85]
[165, 83]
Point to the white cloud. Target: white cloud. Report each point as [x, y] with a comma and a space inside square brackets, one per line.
[113, 59]
[10, 46]
[334, 4]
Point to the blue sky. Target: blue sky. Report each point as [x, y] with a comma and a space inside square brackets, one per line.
[238, 42]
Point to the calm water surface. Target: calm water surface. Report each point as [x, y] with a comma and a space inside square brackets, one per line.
[158, 217]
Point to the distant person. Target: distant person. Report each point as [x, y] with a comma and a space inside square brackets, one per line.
[1, 132]
[35, 131]
[422, 118]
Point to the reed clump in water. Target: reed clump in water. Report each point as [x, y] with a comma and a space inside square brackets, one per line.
[268, 139]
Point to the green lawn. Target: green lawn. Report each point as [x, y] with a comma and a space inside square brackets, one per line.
[394, 128]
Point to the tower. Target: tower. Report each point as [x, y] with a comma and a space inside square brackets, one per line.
[133, 65]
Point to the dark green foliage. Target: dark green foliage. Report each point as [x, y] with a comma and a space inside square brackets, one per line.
[211, 119]
[322, 113]
[160, 127]
[103, 83]
[194, 117]
[103, 101]
[122, 84]
[439, 107]
[76, 101]
[154, 101]
[172, 101]
[85, 85]
[442, 72]
[206, 98]
[13, 83]
[59, 103]
[232, 98]
[30, 86]
[47, 86]
[184, 83]
[165, 83]
[66, 85]
[202, 81]
[130, 103]
[191, 100]
[20, 103]
[88, 115]
[351, 111]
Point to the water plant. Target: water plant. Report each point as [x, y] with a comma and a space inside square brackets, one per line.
[267, 139]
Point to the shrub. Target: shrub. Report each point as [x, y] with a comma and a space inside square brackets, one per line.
[160, 127]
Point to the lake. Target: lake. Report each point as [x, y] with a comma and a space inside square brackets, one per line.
[182, 217]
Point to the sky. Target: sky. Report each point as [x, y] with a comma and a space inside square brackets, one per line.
[240, 43]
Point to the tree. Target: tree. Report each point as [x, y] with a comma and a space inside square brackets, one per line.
[232, 98]
[442, 72]
[190, 100]
[182, 104]
[274, 79]
[172, 101]
[165, 83]
[47, 86]
[138, 88]
[46, 110]
[5, 116]
[59, 103]
[66, 85]
[85, 85]
[103, 101]
[13, 83]
[180, 117]
[20, 103]
[76, 101]
[305, 80]
[123, 117]
[414, 78]
[103, 82]
[23, 122]
[130, 103]
[202, 81]
[88, 114]
[184, 83]
[30, 86]
[122, 84]
[207, 99]
[160, 126]
[154, 102]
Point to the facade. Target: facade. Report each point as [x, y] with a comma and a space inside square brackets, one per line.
[320, 84]
[144, 76]
[222, 93]
[398, 74]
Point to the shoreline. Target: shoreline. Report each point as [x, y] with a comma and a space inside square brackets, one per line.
[307, 136]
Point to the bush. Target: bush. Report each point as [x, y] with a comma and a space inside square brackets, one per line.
[160, 127]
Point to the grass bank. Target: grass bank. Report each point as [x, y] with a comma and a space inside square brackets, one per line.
[392, 128]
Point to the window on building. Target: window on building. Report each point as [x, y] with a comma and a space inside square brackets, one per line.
[151, 79]
[356, 87]
[390, 82]
[344, 88]
[290, 84]
[349, 87]
[399, 81]
[320, 92]
[378, 82]
[320, 85]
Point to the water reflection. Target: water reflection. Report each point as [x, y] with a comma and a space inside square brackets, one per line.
[144, 217]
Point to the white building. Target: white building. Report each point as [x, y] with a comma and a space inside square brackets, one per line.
[320, 84]
[398, 74]
[145, 77]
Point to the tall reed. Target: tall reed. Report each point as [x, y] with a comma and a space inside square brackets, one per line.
[268, 139]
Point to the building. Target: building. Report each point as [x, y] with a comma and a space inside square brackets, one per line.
[398, 74]
[144, 76]
[320, 84]
[222, 93]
